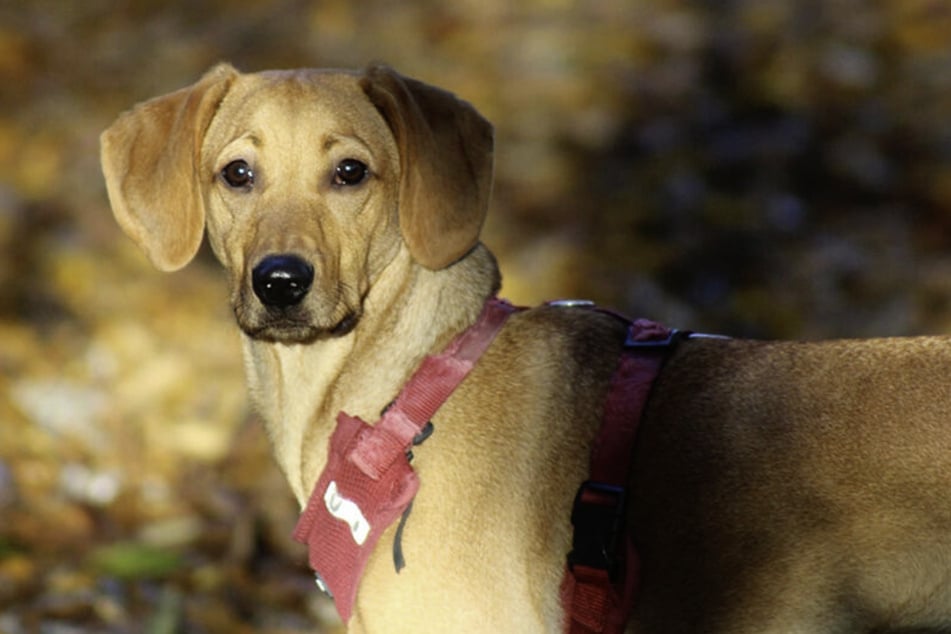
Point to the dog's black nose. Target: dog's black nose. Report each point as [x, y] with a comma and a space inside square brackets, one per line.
[282, 280]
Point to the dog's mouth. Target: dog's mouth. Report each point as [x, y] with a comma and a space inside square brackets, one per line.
[291, 329]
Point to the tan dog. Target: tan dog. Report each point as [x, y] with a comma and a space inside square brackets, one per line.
[777, 487]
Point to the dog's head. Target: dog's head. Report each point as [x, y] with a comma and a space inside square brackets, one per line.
[309, 183]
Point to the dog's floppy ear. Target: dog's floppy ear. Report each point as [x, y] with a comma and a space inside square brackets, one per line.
[150, 161]
[446, 162]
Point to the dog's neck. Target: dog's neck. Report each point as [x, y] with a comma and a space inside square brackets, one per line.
[409, 312]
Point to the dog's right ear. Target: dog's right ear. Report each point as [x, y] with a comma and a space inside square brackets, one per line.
[150, 159]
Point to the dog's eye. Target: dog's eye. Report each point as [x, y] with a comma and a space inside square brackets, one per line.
[350, 172]
[238, 174]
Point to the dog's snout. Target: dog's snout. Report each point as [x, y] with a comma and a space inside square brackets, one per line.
[282, 280]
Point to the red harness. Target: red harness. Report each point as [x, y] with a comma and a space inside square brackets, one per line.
[368, 482]
[601, 578]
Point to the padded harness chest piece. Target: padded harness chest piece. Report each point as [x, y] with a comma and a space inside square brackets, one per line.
[368, 481]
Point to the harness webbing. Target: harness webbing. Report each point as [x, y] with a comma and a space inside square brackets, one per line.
[368, 481]
[601, 578]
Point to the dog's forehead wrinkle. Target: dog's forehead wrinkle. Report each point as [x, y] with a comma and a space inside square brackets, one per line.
[345, 140]
[240, 145]
[334, 91]
[312, 115]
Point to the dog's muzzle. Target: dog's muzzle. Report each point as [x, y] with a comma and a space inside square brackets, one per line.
[280, 281]
[281, 284]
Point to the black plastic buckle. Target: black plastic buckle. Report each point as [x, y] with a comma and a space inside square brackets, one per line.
[597, 515]
[420, 438]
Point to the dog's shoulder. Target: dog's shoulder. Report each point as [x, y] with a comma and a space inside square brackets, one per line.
[570, 335]
[549, 359]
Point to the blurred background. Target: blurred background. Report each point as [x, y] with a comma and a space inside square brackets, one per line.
[763, 168]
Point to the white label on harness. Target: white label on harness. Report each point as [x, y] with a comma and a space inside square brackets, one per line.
[348, 512]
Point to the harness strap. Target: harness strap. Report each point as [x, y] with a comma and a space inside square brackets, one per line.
[439, 375]
[601, 577]
[368, 481]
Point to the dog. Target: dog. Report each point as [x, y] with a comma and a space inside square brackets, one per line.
[776, 487]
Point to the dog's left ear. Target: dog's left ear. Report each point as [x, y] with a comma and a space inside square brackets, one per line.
[446, 163]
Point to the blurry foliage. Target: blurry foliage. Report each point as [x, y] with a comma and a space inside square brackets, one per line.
[754, 167]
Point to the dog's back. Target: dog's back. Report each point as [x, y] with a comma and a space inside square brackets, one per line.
[797, 487]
